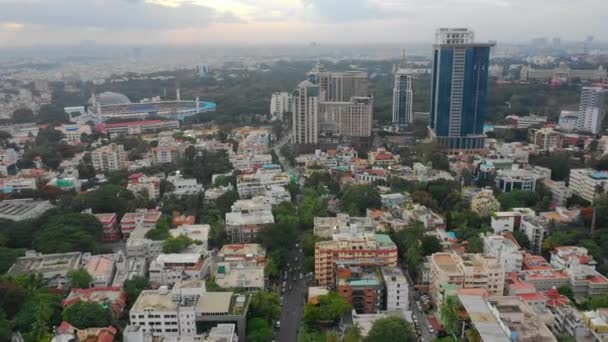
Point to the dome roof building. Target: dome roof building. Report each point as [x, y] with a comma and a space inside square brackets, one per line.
[109, 98]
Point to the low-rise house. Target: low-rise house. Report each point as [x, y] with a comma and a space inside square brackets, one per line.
[166, 269]
[23, 209]
[484, 203]
[147, 186]
[141, 218]
[113, 297]
[101, 268]
[54, 268]
[109, 224]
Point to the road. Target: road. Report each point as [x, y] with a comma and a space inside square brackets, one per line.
[293, 300]
[420, 315]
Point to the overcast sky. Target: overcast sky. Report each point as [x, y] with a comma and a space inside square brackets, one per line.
[141, 22]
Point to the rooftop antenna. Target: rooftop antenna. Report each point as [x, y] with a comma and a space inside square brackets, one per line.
[402, 64]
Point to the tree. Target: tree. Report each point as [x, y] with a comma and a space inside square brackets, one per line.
[278, 236]
[356, 199]
[353, 333]
[161, 230]
[52, 114]
[329, 309]
[176, 244]
[23, 115]
[36, 316]
[522, 239]
[517, 199]
[85, 314]
[286, 212]
[311, 206]
[430, 245]
[133, 288]
[258, 330]
[265, 305]
[68, 233]
[449, 316]
[566, 291]
[222, 181]
[79, 279]
[225, 201]
[391, 329]
[5, 328]
[8, 256]
[109, 198]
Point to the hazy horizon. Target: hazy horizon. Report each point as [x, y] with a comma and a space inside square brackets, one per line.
[25, 23]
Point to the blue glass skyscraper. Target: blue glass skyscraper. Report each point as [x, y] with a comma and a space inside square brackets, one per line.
[459, 89]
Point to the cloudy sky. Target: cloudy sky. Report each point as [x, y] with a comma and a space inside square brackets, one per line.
[141, 22]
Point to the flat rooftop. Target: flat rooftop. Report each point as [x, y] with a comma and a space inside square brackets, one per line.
[154, 300]
[214, 303]
[46, 263]
[20, 207]
[446, 262]
[482, 318]
[258, 218]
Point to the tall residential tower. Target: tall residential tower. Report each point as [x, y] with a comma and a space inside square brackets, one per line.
[459, 89]
[402, 96]
[591, 110]
[306, 113]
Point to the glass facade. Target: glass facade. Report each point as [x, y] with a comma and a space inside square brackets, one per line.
[464, 109]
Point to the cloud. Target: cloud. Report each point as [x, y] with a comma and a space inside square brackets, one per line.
[112, 14]
[352, 10]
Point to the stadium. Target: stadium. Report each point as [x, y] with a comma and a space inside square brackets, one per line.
[110, 105]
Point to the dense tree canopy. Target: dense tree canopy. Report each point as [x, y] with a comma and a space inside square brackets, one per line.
[80, 279]
[391, 329]
[328, 310]
[86, 314]
[356, 199]
[68, 233]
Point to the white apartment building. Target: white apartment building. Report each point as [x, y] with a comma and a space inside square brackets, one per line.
[109, 158]
[244, 161]
[522, 179]
[254, 184]
[164, 313]
[250, 206]
[244, 227]
[559, 190]
[172, 315]
[306, 113]
[167, 269]
[585, 182]
[280, 103]
[591, 110]
[183, 186]
[396, 289]
[510, 220]
[506, 251]
[535, 229]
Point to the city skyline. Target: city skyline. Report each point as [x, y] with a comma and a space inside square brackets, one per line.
[145, 22]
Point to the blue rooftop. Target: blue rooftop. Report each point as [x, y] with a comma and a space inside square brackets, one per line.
[600, 175]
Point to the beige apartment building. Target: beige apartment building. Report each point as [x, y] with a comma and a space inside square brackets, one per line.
[361, 249]
[465, 271]
[109, 158]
